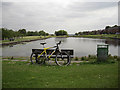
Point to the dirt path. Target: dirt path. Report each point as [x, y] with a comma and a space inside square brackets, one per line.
[30, 61]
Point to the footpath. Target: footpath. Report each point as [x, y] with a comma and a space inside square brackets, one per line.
[30, 61]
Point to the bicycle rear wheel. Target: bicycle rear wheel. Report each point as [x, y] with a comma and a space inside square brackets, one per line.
[35, 59]
[62, 58]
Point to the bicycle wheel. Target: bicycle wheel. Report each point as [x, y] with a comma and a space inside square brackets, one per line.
[33, 58]
[62, 59]
[41, 60]
[37, 60]
[50, 61]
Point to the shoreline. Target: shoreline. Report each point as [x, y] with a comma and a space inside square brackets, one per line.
[98, 37]
[18, 42]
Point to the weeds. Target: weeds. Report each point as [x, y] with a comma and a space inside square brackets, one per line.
[76, 58]
[84, 58]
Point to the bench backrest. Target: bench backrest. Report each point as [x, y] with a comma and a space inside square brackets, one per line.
[49, 51]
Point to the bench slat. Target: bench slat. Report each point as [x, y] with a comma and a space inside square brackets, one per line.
[49, 51]
[54, 56]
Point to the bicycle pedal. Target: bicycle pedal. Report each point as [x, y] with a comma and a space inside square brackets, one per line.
[47, 59]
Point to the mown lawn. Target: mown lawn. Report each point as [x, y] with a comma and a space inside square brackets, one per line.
[24, 38]
[24, 75]
[102, 36]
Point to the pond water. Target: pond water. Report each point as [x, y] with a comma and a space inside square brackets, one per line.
[81, 46]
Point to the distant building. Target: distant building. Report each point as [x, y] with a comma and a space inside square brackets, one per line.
[71, 34]
[117, 32]
[113, 30]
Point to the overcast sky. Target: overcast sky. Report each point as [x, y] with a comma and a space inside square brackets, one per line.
[52, 15]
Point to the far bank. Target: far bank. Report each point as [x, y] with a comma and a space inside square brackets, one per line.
[34, 38]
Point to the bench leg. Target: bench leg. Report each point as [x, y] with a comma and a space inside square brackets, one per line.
[36, 55]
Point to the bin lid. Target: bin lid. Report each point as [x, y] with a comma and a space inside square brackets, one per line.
[102, 45]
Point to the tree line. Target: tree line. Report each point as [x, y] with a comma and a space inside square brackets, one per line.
[9, 33]
[108, 30]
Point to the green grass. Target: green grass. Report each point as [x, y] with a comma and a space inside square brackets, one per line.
[23, 75]
[101, 36]
[24, 38]
[16, 58]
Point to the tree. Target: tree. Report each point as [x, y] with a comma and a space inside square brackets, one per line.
[107, 27]
[47, 34]
[76, 34]
[7, 34]
[4, 33]
[115, 26]
[30, 33]
[61, 33]
[22, 31]
[42, 33]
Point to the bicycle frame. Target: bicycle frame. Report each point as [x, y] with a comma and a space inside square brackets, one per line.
[45, 49]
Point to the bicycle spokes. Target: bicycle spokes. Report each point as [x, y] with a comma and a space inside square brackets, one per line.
[41, 60]
[62, 59]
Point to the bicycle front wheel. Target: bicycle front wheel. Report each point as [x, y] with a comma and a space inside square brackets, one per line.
[35, 59]
[62, 58]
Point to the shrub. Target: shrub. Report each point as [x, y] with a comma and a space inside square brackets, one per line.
[76, 58]
[109, 55]
[115, 57]
[118, 59]
[92, 57]
[84, 58]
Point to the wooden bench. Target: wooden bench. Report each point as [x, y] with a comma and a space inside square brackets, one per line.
[49, 51]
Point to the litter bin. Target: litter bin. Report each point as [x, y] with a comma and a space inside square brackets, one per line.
[102, 52]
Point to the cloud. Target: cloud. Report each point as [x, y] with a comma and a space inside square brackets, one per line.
[90, 6]
[82, 9]
[70, 15]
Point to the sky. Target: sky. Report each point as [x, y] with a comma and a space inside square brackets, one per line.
[53, 15]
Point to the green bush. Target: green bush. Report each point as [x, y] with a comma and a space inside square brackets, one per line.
[84, 58]
[76, 58]
[115, 57]
[92, 57]
[118, 58]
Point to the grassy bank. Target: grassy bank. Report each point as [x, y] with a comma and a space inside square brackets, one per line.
[90, 36]
[109, 36]
[18, 74]
[30, 38]
[25, 38]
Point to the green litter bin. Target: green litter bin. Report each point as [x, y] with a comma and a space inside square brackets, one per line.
[102, 52]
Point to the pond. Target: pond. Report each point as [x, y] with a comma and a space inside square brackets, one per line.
[81, 46]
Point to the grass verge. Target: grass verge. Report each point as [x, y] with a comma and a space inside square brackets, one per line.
[109, 36]
[26, 38]
[24, 75]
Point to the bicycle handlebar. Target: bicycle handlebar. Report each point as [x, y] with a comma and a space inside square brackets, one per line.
[59, 43]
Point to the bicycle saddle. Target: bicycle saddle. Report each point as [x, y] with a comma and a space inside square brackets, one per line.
[43, 43]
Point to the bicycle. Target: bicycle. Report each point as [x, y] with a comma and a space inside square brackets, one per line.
[62, 58]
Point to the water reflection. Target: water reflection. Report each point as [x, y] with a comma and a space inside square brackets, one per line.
[63, 39]
[112, 42]
[81, 46]
[10, 45]
[106, 41]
